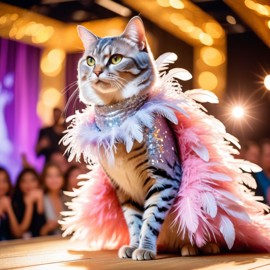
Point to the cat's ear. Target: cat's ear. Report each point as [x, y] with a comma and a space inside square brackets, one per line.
[135, 31]
[86, 36]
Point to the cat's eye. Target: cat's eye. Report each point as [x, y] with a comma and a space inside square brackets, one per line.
[90, 61]
[116, 58]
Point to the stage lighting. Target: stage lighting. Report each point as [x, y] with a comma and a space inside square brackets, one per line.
[238, 112]
[267, 82]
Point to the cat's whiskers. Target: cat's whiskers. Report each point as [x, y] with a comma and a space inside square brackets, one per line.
[74, 94]
[68, 87]
[117, 80]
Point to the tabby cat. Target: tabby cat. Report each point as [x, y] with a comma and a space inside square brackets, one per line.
[116, 74]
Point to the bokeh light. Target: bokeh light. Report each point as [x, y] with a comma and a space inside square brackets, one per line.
[43, 35]
[206, 39]
[163, 3]
[212, 56]
[52, 63]
[230, 19]
[214, 29]
[208, 80]
[177, 4]
[186, 26]
[50, 97]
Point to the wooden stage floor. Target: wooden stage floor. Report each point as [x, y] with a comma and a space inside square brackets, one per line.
[55, 253]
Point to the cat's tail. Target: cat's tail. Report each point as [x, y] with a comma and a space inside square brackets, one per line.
[95, 215]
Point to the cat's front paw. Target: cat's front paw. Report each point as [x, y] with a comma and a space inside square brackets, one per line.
[189, 250]
[141, 254]
[125, 252]
[210, 248]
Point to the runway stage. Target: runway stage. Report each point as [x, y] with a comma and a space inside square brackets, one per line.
[56, 253]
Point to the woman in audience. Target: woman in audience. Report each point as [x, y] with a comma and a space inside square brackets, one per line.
[28, 203]
[53, 182]
[9, 227]
[71, 175]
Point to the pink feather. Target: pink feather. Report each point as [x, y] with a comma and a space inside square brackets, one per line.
[96, 214]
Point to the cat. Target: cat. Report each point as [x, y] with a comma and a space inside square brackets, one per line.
[116, 74]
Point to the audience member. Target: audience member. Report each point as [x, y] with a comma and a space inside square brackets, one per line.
[251, 151]
[28, 203]
[263, 177]
[48, 140]
[71, 180]
[59, 159]
[9, 227]
[53, 182]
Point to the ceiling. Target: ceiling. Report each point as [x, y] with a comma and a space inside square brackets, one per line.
[77, 11]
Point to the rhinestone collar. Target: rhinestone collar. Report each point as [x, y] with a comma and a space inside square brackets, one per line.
[108, 116]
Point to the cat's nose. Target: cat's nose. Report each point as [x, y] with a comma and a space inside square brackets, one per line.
[98, 72]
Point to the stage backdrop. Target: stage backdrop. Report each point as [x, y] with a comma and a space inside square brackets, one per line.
[19, 88]
[72, 93]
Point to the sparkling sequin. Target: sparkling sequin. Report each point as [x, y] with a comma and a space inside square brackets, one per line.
[108, 116]
[160, 142]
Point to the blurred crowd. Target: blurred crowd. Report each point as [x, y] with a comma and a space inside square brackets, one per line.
[33, 206]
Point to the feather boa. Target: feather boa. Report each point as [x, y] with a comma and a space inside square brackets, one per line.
[212, 203]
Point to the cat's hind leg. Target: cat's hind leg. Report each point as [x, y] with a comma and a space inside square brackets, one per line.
[189, 250]
[210, 249]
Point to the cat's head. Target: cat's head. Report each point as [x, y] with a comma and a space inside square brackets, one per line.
[115, 68]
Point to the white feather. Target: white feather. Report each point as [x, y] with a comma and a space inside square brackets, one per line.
[220, 177]
[201, 95]
[237, 213]
[201, 151]
[209, 204]
[232, 139]
[136, 132]
[247, 165]
[167, 113]
[146, 119]
[178, 73]
[225, 195]
[129, 143]
[248, 180]
[164, 60]
[227, 230]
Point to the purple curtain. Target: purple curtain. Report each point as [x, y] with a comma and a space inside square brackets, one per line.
[19, 88]
[72, 94]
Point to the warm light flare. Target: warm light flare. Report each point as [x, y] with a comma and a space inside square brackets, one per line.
[238, 112]
[267, 82]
